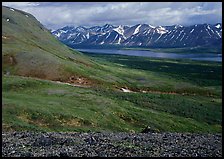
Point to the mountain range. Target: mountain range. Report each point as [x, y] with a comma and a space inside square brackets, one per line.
[142, 35]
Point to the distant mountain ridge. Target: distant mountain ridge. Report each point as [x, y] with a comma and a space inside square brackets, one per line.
[142, 35]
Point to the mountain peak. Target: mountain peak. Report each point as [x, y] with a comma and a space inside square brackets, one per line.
[108, 26]
[68, 27]
[81, 29]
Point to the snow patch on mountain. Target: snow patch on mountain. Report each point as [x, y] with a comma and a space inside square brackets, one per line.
[119, 40]
[218, 34]
[108, 35]
[151, 26]
[161, 30]
[218, 26]
[137, 29]
[119, 30]
[87, 35]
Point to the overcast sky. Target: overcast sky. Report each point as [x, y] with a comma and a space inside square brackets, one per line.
[55, 15]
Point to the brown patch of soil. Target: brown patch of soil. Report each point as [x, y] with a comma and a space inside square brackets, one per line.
[6, 127]
[79, 80]
[25, 117]
[9, 59]
[72, 123]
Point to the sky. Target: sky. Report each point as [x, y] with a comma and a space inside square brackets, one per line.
[55, 15]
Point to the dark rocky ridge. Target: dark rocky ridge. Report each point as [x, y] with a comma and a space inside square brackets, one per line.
[105, 144]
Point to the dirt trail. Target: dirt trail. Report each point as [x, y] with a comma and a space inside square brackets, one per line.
[160, 92]
[126, 90]
[59, 82]
[74, 85]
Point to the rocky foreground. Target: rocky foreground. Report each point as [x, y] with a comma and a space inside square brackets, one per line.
[27, 144]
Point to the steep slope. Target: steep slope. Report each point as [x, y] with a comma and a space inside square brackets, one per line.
[145, 35]
[29, 49]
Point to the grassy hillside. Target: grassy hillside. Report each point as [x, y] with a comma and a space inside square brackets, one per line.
[167, 95]
[40, 105]
[29, 49]
[30, 104]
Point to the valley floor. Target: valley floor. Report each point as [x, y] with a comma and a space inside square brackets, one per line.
[167, 95]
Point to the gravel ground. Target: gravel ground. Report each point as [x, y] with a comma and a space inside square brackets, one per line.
[27, 144]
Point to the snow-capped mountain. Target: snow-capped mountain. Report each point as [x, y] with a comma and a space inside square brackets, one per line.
[142, 35]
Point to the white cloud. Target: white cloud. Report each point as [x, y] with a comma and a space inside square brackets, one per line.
[20, 4]
[59, 14]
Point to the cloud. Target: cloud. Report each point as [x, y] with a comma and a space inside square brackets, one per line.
[58, 14]
[20, 4]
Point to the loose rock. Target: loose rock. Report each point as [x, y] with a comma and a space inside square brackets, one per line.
[105, 144]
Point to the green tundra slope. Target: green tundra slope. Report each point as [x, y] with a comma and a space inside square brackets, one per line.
[30, 50]
[167, 95]
[38, 105]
